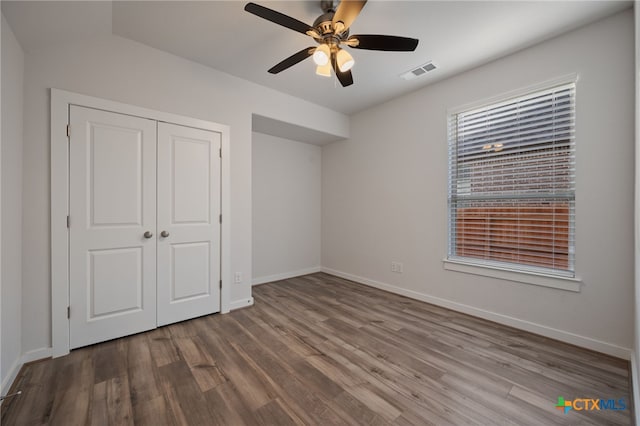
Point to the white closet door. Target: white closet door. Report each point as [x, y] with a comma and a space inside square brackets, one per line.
[188, 223]
[112, 265]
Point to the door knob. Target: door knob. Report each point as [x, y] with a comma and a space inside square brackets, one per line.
[148, 234]
[164, 234]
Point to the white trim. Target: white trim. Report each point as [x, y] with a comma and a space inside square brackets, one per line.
[11, 377]
[635, 387]
[225, 230]
[59, 212]
[553, 333]
[60, 101]
[558, 282]
[285, 275]
[34, 355]
[512, 94]
[239, 304]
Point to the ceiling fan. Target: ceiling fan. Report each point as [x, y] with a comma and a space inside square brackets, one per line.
[331, 32]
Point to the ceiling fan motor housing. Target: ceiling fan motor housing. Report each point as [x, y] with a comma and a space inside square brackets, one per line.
[323, 24]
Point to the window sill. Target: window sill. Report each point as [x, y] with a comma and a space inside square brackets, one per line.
[561, 283]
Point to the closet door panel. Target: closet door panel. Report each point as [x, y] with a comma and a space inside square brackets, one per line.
[112, 266]
[191, 181]
[188, 223]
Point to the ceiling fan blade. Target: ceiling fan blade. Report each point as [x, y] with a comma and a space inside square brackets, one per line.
[347, 12]
[277, 17]
[345, 78]
[292, 60]
[383, 42]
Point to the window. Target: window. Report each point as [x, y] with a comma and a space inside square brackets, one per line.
[512, 183]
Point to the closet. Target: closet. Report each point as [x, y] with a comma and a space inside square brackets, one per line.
[144, 224]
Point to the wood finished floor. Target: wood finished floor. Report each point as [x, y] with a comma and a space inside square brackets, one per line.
[322, 350]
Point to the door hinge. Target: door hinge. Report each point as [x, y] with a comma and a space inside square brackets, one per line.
[220, 284]
[68, 312]
[68, 222]
[68, 130]
[220, 152]
[220, 218]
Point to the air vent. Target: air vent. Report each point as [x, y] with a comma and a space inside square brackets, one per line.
[419, 71]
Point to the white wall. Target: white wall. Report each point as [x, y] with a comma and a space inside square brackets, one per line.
[385, 192]
[286, 203]
[118, 69]
[11, 202]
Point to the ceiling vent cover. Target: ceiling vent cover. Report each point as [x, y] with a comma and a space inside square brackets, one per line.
[419, 71]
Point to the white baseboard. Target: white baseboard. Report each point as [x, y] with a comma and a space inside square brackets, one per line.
[11, 376]
[37, 354]
[242, 303]
[285, 275]
[635, 387]
[30, 356]
[553, 333]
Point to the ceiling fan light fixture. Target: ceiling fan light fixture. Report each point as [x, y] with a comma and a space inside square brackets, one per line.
[330, 30]
[345, 60]
[324, 70]
[321, 55]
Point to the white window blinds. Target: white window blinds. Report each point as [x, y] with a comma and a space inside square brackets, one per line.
[512, 183]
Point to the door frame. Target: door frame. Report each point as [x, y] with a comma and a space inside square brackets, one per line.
[60, 102]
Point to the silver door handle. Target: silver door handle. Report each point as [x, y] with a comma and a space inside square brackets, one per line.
[148, 234]
[164, 234]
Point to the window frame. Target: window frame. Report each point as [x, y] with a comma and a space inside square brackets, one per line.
[528, 274]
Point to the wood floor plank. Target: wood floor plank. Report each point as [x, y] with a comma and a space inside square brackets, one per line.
[37, 382]
[419, 394]
[202, 366]
[273, 413]
[110, 361]
[255, 392]
[301, 389]
[162, 347]
[185, 399]
[71, 407]
[228, 407]
[174, 408]
[73, 389]
[321, 350]
[111, 403]
[358, 411]
[141, 371]
[152, 412]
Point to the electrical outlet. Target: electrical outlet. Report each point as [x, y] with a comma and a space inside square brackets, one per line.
[238, 278]
[397, 267]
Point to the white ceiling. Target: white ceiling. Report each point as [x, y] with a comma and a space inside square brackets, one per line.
[455, 35]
